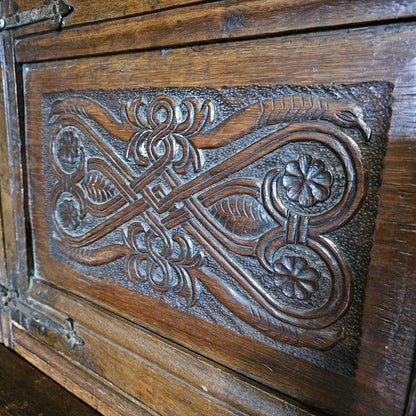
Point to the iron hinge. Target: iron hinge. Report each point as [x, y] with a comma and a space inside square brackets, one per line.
[34, 318]
[54, 10]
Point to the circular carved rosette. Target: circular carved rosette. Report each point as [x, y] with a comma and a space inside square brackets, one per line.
[323, 178]
[67, 203]
[318, 187]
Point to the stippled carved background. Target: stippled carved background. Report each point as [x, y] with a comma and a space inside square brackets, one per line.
[252, 207]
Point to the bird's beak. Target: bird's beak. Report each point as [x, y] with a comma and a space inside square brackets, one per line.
[365, 128]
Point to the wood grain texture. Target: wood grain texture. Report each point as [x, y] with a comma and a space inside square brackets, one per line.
[367, 54]
[149, 370]
[300, 14]
[96, 11]
[3, 174]
[4, 314]
[5, 323]
[203, 23]
[11, 171]
[291, 376]
[25, 390]
[391, 290]
[5, 329]
[411, 402]
[3, 275]
[4, 185]
[101, 395]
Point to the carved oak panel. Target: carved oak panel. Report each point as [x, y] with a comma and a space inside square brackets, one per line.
[252, 207]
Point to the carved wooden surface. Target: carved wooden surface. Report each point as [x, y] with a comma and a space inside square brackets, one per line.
[242, 198]
[62, 283]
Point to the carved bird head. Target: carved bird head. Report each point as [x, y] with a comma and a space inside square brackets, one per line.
[352, 116]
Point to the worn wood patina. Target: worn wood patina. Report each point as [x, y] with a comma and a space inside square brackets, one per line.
[208, 208]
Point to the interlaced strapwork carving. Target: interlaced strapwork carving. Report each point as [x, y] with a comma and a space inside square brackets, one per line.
[177, 189]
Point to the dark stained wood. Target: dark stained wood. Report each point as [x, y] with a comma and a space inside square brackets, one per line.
[136, 354]
[5, 324]
[24, 390]
[3, 278]
[411, 403]
[202, 23]
[98, 393]
[99, 10]
[3, 164]
[140, 377]
[229, 218]
[4, 315]
[11, 169]
[367, 55]
[264, 363]
[301, 14]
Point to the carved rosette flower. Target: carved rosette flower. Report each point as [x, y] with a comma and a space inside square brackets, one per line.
[307, 181]
[68, 214]
[67, 147]
[295, 277]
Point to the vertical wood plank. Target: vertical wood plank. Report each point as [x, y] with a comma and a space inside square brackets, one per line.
[3, 175]
[5, 322]
[3, 276]
[11, 172]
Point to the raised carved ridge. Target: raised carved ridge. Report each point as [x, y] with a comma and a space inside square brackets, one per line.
[242, 192]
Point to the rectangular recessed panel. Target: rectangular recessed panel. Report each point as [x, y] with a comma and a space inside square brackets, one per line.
[250, 207]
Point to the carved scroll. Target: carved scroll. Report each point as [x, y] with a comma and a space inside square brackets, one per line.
[244, 193]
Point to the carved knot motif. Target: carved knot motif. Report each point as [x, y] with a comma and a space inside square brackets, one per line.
[162, 260]
[251, 225]
[162, 126]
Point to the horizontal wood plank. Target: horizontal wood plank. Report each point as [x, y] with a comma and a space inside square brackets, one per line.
[98, 393]
[96, 11]
[204, 23]
[152, 371]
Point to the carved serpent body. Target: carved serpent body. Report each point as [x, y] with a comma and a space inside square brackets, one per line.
[283, 109]
[262, 113]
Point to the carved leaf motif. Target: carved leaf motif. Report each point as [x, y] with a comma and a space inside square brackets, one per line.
[242, 215]
[99, 188]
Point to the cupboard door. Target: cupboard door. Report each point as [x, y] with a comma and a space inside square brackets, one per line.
[220, 228]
